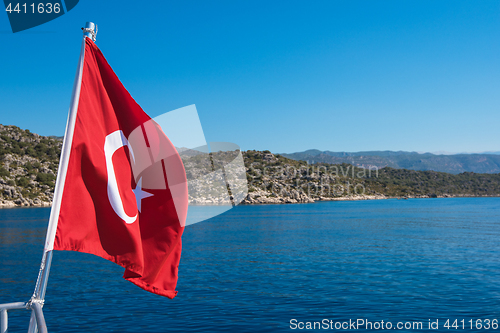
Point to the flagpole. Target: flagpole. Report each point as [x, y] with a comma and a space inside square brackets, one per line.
[38, 297]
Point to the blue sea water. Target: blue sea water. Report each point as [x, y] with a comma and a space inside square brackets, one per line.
[255, 268]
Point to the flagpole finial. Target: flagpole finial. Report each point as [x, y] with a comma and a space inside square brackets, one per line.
[90, 30]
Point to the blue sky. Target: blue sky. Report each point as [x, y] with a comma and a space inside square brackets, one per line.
[280, 75]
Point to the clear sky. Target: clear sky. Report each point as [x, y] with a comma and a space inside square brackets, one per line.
[280, 75]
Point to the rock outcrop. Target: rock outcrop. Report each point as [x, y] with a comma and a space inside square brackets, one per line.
[28, 167]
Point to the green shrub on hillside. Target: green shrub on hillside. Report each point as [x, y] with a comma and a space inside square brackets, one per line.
[22, 181]
[4, 172]
[45, 179]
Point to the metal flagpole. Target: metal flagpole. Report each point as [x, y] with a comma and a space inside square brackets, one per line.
[36, 301]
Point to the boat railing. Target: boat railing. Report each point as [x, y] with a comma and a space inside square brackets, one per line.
[33, 305]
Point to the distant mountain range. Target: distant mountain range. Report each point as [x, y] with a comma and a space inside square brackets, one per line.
[488, 162]
[461, 153]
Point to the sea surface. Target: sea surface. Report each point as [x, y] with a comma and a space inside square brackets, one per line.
[256, 268]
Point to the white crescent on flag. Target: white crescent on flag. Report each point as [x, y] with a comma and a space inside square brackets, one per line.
[112, 143]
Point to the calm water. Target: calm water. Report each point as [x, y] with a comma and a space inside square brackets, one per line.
[255, 268]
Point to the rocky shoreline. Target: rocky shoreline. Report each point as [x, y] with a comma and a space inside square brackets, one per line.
[24, 203]
[258, 199]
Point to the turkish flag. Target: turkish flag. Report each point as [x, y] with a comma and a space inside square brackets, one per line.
[125, 193]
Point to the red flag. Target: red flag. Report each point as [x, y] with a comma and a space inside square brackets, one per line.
[125, 193]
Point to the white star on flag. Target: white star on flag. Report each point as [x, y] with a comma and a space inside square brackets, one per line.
[140, 194]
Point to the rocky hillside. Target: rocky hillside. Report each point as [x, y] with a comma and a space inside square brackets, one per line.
[28, 167]
[276, 179]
